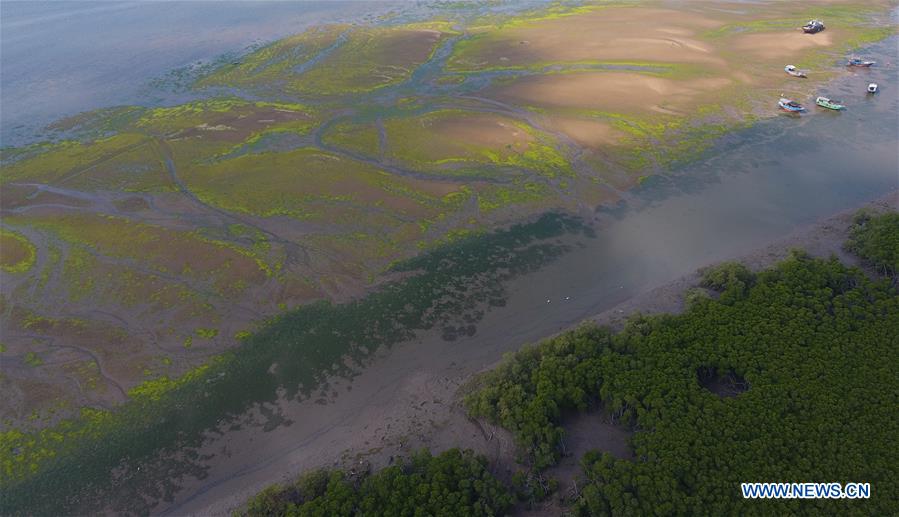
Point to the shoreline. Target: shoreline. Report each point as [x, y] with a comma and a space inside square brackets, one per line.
[418, 405]
[820, 239]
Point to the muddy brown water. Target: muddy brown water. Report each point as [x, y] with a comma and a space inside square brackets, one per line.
[754, 187]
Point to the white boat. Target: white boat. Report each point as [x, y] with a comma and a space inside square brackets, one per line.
[859, 62]
[795, 72]
[872, 88]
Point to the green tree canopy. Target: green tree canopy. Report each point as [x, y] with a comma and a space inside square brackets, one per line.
[453, 483]
[816, 344]
[876, 240]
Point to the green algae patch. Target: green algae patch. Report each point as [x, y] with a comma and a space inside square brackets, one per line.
[184, 116]
[371, 58]
[447, 80]
[98, 123]
[86, 276]
[306, 184]
[17, 253]
[499, 197]
[85, 460]
[553, 11]
[63, 161]
[363, 139]
[334, 60]
[32, 359]
[222, 265]
[126, 162]
[463, 142]
[226, 118]
[206, 333]
[276, 62]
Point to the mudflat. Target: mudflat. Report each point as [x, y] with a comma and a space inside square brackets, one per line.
[147, 244]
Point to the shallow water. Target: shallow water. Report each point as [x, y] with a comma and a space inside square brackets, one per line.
[753, 187]
[63, 58]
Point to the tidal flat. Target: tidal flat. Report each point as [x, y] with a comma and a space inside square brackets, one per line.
[326, 180]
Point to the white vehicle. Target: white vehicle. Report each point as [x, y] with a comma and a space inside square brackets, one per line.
[872, 88]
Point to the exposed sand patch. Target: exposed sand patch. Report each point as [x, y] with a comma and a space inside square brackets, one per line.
[609, 34]
[237, 126]
[455, 137]
[477, 129]
[588, 133]
[608, 91]
[771, 45]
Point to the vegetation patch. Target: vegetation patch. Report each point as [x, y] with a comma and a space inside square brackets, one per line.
[307, 184]
[452, 483]
[17, 253]
[289, 356]
[32, 359]
[333, 60]
[274, 63]
[813, 338]
[159, 247]
[372, 58]
[359, 138]
[876, 240]
[465, 142]
[67, 160]
[499, 197]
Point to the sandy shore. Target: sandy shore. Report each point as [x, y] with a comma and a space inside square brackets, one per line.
[409, 398]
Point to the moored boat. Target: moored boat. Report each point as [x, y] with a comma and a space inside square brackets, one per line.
[859, 62]
[813, 26]
[790, 105]
[795, 72]
[830, 104]
[872, 88]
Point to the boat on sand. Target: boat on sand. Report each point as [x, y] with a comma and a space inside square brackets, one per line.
[790, 105]
[813, 27]
[795, 72]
